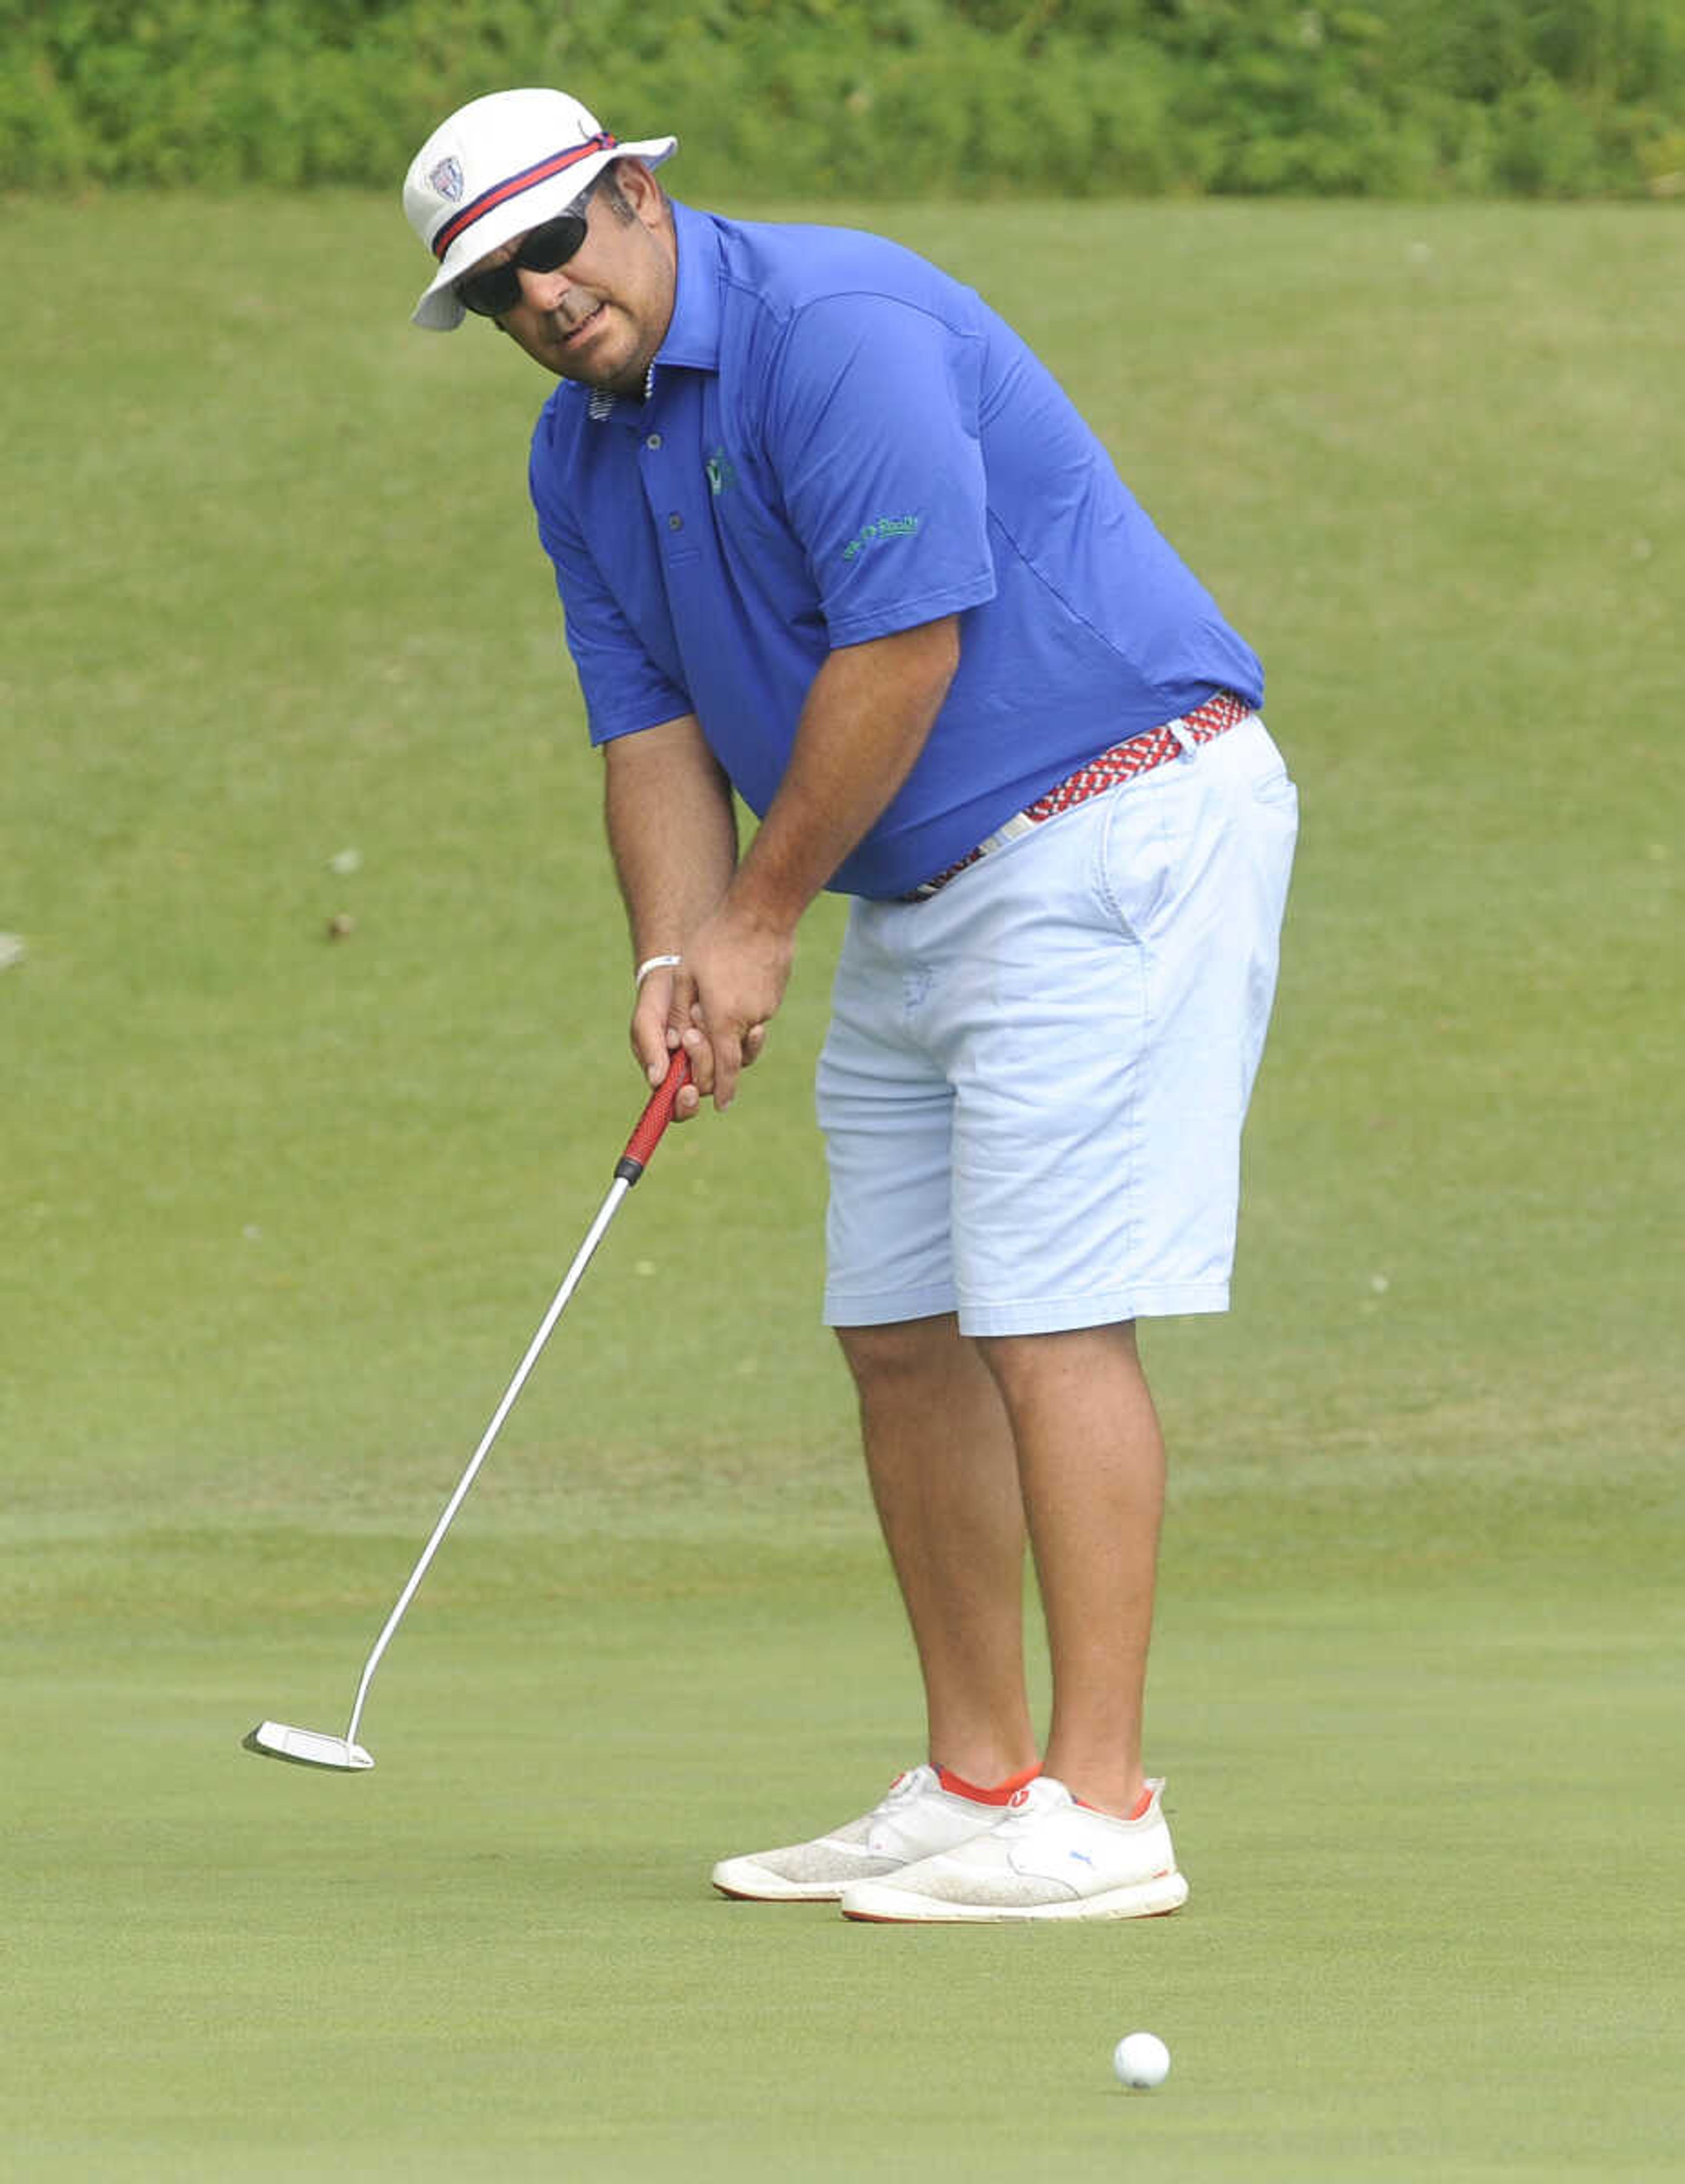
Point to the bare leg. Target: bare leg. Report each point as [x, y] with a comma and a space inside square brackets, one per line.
[1092, 1464]
[944, 1476]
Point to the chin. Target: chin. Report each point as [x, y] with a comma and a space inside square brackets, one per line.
[592, 368]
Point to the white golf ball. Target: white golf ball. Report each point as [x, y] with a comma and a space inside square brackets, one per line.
[1141, 2061]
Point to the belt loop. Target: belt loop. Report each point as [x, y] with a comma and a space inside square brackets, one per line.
[1184, 736]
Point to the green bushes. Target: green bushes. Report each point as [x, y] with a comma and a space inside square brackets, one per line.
[874, 97]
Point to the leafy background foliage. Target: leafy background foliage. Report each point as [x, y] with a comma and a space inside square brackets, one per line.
[875, 98]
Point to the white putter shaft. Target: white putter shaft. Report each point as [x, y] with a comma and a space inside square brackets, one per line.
[313, 1747]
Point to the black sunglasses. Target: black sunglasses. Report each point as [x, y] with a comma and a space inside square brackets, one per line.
[497, 289]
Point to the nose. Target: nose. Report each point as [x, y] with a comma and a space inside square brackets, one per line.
[543, 291]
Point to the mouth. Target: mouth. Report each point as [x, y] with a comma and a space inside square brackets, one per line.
[573, 331]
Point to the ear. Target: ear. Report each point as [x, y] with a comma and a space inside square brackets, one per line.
[642, 192]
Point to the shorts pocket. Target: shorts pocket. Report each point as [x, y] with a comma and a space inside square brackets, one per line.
[1139, 846]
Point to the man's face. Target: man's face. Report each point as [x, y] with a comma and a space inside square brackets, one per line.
[601, 317]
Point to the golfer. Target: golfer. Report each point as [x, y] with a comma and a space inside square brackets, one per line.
[825, 532]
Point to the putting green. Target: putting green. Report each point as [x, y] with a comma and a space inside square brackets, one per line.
[1418, 1945]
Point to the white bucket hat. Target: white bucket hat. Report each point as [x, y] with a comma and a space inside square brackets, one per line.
[500, 165]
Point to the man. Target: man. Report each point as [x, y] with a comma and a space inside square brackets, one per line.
[825, 531]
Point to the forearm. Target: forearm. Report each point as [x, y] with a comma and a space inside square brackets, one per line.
[672, 833]
[867, 717]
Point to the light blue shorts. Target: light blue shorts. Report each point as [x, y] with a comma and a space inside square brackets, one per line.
[1033, 1086]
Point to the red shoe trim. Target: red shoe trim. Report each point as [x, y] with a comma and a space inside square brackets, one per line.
[1003, 1793]
[1140, 1814]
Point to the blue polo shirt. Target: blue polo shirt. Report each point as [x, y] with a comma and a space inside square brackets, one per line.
[841, 442]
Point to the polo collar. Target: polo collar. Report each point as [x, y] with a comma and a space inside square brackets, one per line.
[692, 340]
[692, 337]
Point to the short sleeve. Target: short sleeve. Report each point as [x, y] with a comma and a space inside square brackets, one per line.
[624, 690]
[871, 422]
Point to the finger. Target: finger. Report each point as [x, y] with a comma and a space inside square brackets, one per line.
[754, 1039]
[728, 1062]
[655, 1032]
[701, 1053]
[687, 1099]
[649, 1040]
[681, 1007]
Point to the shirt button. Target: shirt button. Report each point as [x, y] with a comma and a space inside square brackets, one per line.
[654, 441]
[676, 522]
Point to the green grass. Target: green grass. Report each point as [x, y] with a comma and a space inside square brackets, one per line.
[282, 1213]
[1422, 1944]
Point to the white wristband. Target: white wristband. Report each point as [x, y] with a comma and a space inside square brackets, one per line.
[654, 963]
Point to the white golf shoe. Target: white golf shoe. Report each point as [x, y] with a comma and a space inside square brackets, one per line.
[1049, 1857]
[920, 1813]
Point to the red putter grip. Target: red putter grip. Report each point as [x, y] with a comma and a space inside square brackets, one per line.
[641, 1144]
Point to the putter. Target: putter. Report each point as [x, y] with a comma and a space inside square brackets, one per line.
[313, 1747]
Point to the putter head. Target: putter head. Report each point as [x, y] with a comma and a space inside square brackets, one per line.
[306, 1747]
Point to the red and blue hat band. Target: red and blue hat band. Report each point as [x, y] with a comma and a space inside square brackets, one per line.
[528, 179]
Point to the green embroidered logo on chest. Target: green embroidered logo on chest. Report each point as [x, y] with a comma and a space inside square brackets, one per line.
[721, 471]
[887, 527]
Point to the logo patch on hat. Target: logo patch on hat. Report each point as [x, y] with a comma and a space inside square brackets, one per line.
[447, 179]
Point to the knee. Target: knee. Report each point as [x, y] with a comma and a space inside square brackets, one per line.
[910, 1349]
[1026, 1367]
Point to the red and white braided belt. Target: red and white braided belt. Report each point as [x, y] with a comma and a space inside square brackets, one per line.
[1121, 763]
